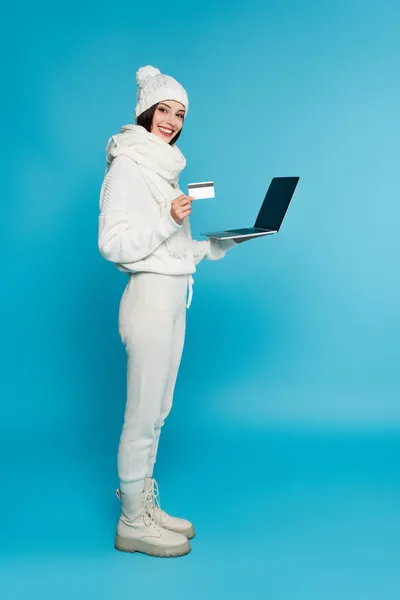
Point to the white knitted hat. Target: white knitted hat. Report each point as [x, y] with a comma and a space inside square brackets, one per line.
[153, 87]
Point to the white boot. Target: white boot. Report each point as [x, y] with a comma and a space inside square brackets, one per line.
[139, 531]
[177, 524]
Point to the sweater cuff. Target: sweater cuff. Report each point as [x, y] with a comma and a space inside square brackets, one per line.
[172, 225]
[227, 244]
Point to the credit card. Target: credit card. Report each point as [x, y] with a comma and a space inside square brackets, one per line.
[201, 190]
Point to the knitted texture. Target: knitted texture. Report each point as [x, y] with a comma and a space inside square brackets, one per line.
[160, 165]
[132, 233]
[153, 87]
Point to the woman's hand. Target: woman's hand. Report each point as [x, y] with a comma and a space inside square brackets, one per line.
[244, 239]
[181, 207]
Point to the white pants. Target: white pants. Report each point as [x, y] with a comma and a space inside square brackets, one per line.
[152, 320]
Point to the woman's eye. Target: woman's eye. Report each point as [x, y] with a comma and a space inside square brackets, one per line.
[161, 108]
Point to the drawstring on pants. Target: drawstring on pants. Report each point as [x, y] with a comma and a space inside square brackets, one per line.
[190, 284]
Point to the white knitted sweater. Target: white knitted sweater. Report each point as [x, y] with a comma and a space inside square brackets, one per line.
[132, 233]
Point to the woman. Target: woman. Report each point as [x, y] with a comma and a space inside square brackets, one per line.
[144, 229]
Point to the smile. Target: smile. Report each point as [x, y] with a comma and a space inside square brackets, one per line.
[165, 131]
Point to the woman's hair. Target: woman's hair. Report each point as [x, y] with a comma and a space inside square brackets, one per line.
[146, 120]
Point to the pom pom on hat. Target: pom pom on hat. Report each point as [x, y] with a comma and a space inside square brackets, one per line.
[144, 73]
[154, 86]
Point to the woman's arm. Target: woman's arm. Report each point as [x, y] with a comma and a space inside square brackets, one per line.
[120, 240]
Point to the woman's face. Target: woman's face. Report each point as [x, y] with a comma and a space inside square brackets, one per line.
[168, 119]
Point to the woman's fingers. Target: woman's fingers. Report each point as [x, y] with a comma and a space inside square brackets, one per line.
[181, 207]
[185, 206]
[183, 197]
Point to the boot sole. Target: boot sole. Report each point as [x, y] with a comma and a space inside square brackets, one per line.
[189, 533]
[129, 545]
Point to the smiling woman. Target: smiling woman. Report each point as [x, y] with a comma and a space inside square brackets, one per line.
[168, 116]
[168, 119]
[144, 229]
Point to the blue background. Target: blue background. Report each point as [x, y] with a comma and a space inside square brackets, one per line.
[283, 443]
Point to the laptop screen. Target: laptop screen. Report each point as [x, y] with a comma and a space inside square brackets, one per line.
[276, 202]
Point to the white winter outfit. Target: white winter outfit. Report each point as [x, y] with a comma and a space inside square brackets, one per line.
[138, 234]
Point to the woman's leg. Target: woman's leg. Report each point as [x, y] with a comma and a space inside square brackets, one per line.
[148, 315]
[177, 348]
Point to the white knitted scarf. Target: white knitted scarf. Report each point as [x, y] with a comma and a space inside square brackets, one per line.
[160, 164]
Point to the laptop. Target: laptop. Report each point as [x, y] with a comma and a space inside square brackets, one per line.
[272, 211]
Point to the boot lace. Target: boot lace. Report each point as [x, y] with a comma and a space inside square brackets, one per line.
[149, 507]
[160, 515]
